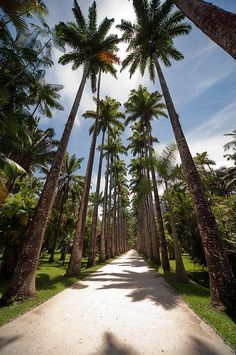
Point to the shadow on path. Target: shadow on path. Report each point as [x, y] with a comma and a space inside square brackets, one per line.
[112, 346]
[7, 340]
[143, 285]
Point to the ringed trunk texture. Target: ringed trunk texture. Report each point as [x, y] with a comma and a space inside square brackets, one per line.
[216, 23]
[77, 248]
[22, 284]
[222, 281]
[92, 249]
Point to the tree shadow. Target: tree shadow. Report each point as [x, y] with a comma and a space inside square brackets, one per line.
[143, 285]
[200, 347]
[7, 340]
[112, 346]
[44, 282]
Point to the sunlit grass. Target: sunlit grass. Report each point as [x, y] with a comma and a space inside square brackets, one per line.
[198, 297]
[50, 281]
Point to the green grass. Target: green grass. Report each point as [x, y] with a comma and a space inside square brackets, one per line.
[198, 297]
[50, 281]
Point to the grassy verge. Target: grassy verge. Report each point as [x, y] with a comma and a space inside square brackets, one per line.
[198, 297]
[50, 281]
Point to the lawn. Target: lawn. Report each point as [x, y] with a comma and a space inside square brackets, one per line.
[50, 281]
[198, 297]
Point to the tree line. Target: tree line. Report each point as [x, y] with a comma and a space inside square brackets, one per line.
[40, 207]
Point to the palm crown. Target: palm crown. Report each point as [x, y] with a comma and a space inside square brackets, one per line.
[153, 32]
[143, 105]
[90, 43]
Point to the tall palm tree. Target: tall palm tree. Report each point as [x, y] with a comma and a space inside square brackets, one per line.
[109, 116]
[112, 149]
[144, 106]
[89, 45]
[107, 67]
[150, 41]
[166, 168]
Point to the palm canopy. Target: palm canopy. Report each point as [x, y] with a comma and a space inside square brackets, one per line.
[155, 28]
[143, 105]
[109, 115]
[165, 162]
[45, 96]
[90, 42]
[114, 148]
[69, 174]
[17, 9]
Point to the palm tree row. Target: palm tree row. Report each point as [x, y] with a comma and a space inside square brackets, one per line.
[150, 41]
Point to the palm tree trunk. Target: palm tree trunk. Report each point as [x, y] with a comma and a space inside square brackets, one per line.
[109, 241]
[114, 234]
[92, 249]
[102, 252]
[77, 249]
[155, 241]
[216, 23]
[161, 230]
[222, 281]
[22, 284]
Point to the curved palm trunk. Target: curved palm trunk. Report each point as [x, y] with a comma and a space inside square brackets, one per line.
[222, 281]
[216, 23]
[77, 249]
[23, 281]
[92, 249]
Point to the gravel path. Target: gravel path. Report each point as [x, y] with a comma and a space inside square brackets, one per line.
[124, 308]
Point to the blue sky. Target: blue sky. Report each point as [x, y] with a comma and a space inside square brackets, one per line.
[203, 86]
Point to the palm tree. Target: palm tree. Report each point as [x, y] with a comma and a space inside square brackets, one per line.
[37, 153]
[150, 40]
[45, 98]
[66, 181]
[89, 45]
[112, 150]
[109, 116]
[216, 23]
[107, 67]
[165, 164]
[143, 106]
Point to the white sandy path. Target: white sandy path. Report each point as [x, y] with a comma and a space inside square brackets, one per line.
[124, 308]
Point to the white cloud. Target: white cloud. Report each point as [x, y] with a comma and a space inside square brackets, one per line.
[221, 122]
